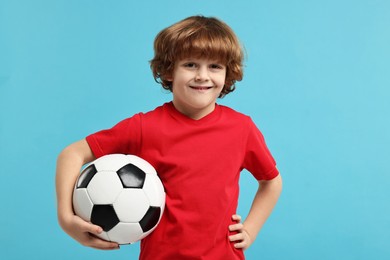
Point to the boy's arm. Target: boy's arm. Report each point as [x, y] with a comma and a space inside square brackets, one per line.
[69, 163]
[265, 200]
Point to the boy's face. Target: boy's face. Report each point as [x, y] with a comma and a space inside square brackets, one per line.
[196, 85]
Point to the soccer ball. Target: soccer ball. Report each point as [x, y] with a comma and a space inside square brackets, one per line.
[122, 194]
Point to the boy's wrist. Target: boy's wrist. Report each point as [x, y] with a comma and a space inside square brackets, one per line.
[251, 232]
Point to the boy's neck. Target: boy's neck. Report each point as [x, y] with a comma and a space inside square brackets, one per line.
[194, 113]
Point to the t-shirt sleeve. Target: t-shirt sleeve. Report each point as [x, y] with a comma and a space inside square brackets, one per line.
[258, 159]
[122, 138]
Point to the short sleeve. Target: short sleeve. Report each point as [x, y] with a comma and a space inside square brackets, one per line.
[122, 138]
[258, 159]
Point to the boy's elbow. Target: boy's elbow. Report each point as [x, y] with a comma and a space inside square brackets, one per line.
[67, 152]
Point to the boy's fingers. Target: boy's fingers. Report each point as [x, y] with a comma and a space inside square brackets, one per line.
[240, 245]
[94, 229]
[88, 227]
[236, 237]
[236, 227]
[236, 217]
[101, 244]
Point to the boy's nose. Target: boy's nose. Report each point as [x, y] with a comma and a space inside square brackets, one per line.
[202, 75]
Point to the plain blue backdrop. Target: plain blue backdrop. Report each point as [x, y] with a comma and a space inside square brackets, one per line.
[316, 83]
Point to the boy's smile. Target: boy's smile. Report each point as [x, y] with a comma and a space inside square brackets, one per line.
[200, 88]
[196, 85]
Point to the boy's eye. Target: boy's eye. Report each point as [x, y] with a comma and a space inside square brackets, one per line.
[190, 65]
[216, 66]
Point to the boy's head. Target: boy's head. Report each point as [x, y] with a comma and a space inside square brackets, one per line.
[197, 37]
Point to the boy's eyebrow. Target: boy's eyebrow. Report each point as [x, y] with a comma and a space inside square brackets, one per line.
[198, 59]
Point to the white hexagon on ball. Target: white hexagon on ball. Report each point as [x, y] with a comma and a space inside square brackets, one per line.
[153, 189]
[111, 162]
[83, 207]
[104, 187]
[131, 205]
[125, 233]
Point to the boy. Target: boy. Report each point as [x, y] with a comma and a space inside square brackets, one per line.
[197, 147]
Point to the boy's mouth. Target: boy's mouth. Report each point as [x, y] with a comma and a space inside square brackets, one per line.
[200, 87]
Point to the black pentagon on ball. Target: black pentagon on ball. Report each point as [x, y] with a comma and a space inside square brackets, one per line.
[104, 216]
[131, 176]
[150, 219]
[86, 176]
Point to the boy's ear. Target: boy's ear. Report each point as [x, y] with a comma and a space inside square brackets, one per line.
[169, 78]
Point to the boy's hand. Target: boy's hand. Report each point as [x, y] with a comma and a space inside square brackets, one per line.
[241, 239]
[85, 233]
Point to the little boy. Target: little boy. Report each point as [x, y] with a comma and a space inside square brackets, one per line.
[197, 147]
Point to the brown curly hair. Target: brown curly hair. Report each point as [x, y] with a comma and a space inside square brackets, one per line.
[197, 37]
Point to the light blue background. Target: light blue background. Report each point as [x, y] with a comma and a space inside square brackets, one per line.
[316, 83]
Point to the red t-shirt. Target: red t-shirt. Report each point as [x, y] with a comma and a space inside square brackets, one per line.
[199, 163]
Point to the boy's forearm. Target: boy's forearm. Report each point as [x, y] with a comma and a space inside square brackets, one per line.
[69, 163]
[265, 200]
[67, 166]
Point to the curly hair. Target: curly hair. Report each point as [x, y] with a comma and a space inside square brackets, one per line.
[197, 37]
